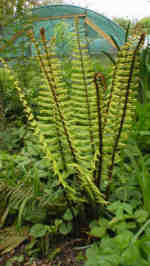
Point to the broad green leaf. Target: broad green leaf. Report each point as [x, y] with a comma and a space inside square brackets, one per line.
[109, 246]
[98, 227]
[120, 208]
[119, 226]
[145, 244]
[100, 256]
[123, 239]
[141, 215]
[131, 255]
[39, 230]
[98, 231]
[65, 228]
[92, 255]
[19, 258]
[9, 263]
[68, 215]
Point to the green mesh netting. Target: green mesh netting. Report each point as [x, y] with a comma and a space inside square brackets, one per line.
[97, 43]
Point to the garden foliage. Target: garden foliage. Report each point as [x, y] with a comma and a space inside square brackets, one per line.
[71, 165]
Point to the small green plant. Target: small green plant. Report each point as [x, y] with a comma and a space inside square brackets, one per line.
[141, 165]
[144, 94]
[117, 244]
[119, 251]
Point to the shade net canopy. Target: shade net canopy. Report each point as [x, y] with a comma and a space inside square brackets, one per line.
[60, 19]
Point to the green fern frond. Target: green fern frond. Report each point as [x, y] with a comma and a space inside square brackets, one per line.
[83, 97]
[53, 118]
[121, 106]
[88, 186]
[86, 120]
[58, 96]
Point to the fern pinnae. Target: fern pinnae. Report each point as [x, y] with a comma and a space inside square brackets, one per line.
[86, 178]
[85, 81]
[113, 84]
[109, 97]
[31, 36]
[58, 116]
[61, 150]
[53, 90]
[140, 43]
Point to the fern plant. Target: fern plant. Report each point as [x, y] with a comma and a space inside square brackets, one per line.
[120, 103]
[82, 131]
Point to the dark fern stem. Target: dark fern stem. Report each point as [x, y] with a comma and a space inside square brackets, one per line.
[102, 81]
[85, 84]
[86, 32]
[127, 31]
[99, 113]
[111, 93]
[110, 171]
[61, 146]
